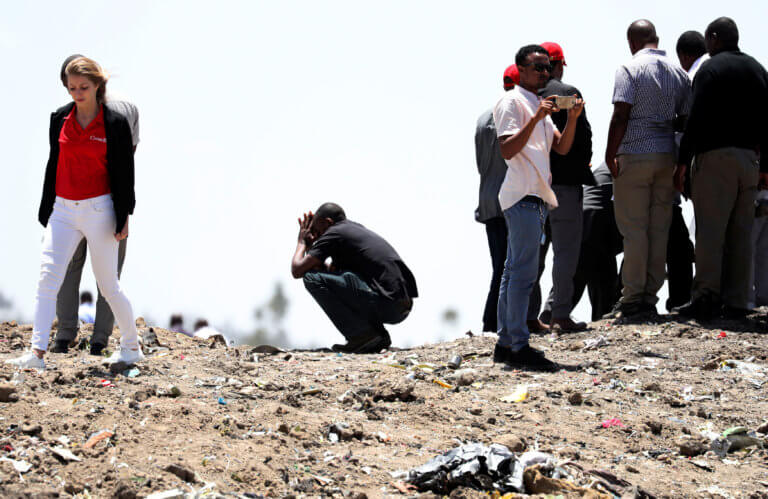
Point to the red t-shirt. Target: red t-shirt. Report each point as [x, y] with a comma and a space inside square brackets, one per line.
[82, 168]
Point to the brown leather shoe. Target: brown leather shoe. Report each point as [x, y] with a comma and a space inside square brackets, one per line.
[567, 325]
[536, 326]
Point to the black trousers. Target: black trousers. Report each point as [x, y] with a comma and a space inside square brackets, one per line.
[680, 256]
[597, 270]
[496, 230]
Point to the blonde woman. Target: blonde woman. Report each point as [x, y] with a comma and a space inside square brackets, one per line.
[88, 193]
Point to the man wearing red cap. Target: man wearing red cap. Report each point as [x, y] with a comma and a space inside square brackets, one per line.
[492, 168]
[564, 223]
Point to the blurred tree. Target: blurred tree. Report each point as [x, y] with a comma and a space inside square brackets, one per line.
[450, 316]
[269, 321]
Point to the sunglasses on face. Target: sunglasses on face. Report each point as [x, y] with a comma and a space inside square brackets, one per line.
[540, 67]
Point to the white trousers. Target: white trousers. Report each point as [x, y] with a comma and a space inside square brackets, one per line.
[70, 222]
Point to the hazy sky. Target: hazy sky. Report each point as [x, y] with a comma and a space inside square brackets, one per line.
[252, 112]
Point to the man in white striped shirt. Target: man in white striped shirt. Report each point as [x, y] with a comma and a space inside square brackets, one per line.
[651, 98]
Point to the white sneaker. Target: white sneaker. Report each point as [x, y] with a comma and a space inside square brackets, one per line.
[126, 356]
[27, 361]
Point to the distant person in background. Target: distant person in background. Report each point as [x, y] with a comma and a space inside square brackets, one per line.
[600, 243]
[88, 193]
[492, 168]
[177, 324]
[651, 98]
[526, 136]
[366, 285]
[724, 139]
[691, 52]
[66, 302]
[564, 223]
[205, 331]
[87, 312]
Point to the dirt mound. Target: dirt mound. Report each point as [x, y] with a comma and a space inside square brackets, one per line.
[642, 411]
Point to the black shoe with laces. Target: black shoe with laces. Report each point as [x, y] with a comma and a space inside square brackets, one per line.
[527, 358]
[97, 348]
[61, 346]
[703, 309]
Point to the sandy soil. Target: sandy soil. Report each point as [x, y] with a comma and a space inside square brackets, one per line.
[202, 417]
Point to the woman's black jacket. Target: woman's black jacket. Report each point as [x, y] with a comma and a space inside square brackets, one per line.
[119, 165]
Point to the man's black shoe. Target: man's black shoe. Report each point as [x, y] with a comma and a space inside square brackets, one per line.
[96, 348]
[527, 358]
[703, 309]
[647, 308]
[61, 346]
[624, 310]
[734, 313]
[368, 344]
[501, 354]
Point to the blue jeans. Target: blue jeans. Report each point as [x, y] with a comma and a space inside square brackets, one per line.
[525, 224]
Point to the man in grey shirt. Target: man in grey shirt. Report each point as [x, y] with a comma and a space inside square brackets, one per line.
[68, 299]
[492, 169]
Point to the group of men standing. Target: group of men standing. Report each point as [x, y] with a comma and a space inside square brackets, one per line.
[674, 128]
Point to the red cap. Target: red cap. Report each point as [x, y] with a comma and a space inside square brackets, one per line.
[511, 77]
[555, 52]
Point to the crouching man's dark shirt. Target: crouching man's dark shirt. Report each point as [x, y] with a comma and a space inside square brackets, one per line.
[353, 248]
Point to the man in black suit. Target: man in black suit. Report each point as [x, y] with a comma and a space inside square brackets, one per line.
[564, 223]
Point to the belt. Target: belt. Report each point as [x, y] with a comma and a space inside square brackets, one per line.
[532, 199]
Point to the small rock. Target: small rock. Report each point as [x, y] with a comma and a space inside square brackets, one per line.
[400, 390]
[186, 474]
[8, 393]
[476, 410]
[691, 447]
[631, 469]
[664, 458]
[123, 491]
[29, 429]
[74, 487]
[763, 428]
[462, 377]
[512, 442]
[575, 398]
[344, 431]
[570, 453]
[703, 413]
[652, 387]
[284, 428]
[654, 427]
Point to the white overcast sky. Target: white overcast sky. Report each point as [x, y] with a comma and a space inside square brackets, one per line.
[252, 112]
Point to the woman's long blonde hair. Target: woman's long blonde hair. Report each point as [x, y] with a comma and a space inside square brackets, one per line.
[83, 66]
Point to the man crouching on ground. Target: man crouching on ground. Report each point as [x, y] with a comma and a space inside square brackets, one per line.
[365, 286]
[526, 136]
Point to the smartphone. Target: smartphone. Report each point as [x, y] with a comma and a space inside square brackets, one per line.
[565, 102]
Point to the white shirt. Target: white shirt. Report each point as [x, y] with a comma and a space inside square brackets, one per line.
[527, 171]
[696, 65]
